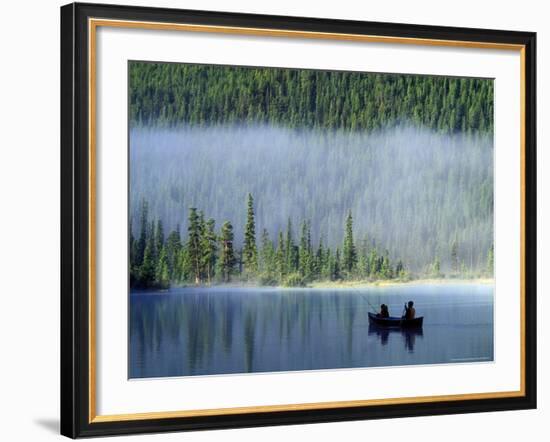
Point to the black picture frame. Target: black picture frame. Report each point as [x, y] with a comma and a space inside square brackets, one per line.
[75, 221]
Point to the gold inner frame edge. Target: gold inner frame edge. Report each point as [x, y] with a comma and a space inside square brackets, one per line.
[93, 24]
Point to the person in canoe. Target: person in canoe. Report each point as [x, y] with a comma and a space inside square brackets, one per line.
[410, 311]
[384, 312]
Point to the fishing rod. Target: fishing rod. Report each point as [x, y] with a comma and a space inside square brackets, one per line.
[372, 307]
[368, 302]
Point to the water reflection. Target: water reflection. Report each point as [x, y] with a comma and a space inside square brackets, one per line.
[408, 335]
[198, 331]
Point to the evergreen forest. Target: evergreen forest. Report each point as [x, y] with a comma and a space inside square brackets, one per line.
[289, 177]
[174, 94]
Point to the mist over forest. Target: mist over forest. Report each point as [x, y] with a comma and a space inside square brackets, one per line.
[412, 190]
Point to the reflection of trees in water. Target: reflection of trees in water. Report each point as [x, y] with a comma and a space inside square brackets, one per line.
[227, 328]
[249, 339]
[205, 332]
[409, 335]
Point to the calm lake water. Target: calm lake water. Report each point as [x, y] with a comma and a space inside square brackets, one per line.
[204, 331]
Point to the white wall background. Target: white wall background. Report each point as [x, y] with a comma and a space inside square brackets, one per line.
[29, 218]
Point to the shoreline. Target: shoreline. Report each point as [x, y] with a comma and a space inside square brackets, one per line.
[396, 283]
[334, 284]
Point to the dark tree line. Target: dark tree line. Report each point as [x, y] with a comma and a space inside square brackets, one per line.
[208, 256]
[169, 94]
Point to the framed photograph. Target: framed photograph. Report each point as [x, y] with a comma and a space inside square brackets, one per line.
[275, 220]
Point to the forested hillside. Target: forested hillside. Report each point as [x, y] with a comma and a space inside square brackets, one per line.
[411, 190]
[411, 157]
[171, 94]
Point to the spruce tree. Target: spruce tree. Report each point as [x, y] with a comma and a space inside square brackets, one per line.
[132, 247]
[131, 244]
[151, 239]
[280, 257]
[363, 259]
[319, 261]
[142, 241]
[400, 270]
[162, 277]
[289, 248]
[436, 268]
[336, 271]
[349, 258]
[147, 270]
[374, 268]
[185, 267]
[159, 237]
[194, 245]
[267, 256]
[386, 268]
[311, 257]
[227, 260]
[250, 253]
[202, 229]
[328, 268]
[173, 247]
[208, 249]
[304, 258]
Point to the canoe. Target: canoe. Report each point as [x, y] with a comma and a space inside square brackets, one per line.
[393, 321]
[384, 332]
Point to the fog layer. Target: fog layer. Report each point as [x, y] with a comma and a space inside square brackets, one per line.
[413, 191]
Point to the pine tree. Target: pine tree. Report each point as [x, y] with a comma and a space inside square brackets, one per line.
[132, 247]
[289, 249]
[349, 259]
[319, 261]
[227, 261]
[280, 257]
[400, 271]
[386, 268]
[142, 241]
[436, 268]
[147, 270]
[131, 244]
[159, 237]
[304, 252]
[185, 265]
[151, 239]
[250, 253]
[208, 249]
[311, 258]
[194, 245]
[173, 248]
[336, 271]
[202, 229]
[267, 255]
[363, 259]
[162, 277]
[374, 269]
[328, 265]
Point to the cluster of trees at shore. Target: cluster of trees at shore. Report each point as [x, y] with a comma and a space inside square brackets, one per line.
[208, 256]
[171, 94]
